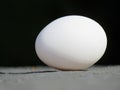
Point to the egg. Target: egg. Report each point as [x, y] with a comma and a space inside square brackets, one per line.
[71, 42]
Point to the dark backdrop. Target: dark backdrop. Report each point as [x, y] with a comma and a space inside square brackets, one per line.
[22, 20]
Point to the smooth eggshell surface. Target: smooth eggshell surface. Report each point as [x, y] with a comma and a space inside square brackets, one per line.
[71, 43]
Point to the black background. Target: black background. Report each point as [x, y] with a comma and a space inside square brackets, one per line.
[22, 20]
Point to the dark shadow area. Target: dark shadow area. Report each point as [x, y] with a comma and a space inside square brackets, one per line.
[33, 72]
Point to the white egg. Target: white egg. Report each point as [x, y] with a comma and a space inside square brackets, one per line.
[71, 43]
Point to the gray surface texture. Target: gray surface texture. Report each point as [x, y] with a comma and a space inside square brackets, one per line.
[46, 78]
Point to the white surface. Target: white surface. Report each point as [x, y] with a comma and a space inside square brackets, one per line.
[71, 43]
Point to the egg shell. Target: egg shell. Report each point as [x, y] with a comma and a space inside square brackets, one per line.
[71, 43]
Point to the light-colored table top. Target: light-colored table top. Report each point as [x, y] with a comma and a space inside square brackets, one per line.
[46, 78]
